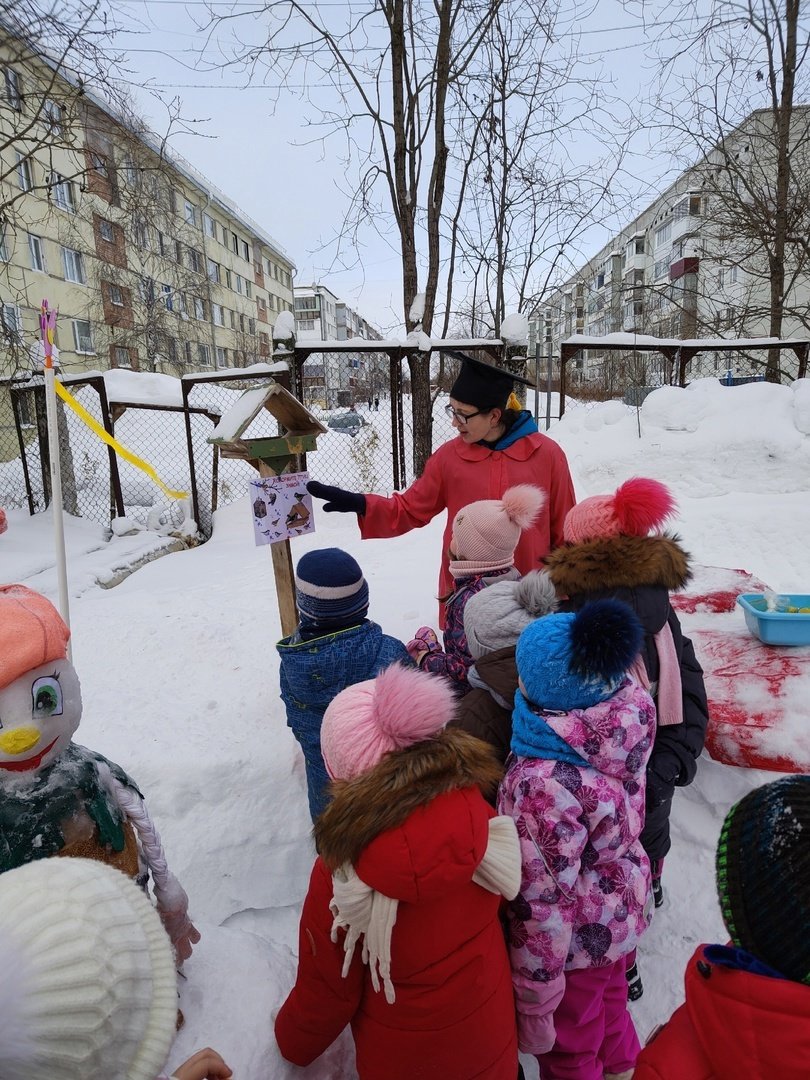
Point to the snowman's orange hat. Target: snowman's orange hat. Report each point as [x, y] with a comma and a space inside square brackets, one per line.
[32, 632]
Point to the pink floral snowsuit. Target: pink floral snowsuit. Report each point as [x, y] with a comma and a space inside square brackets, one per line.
[584, 900]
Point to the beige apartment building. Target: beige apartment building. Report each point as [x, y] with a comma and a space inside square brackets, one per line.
[151, 267]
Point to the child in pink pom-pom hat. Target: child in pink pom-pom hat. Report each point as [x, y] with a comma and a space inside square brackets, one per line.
[485, 536]
[400, 924]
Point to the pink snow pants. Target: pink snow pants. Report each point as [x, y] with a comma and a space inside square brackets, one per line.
[595, 1032]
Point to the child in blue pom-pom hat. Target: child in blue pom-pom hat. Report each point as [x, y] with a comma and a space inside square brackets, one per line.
[333, 646]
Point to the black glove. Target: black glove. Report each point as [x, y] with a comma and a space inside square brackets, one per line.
[337, 500]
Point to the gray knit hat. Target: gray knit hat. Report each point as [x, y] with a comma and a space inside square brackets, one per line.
[495, 617]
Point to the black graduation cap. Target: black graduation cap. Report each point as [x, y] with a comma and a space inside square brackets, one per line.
[481, 384]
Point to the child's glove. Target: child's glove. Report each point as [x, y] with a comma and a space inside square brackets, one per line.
[535, 1004]
[425, 642]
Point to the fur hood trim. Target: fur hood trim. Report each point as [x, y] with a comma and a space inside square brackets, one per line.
[385, 796]
[621, 562]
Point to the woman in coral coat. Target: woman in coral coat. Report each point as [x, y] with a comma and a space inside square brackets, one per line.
[414, 859]
[498, 446]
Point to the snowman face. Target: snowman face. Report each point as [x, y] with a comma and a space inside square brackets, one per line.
[39, 713]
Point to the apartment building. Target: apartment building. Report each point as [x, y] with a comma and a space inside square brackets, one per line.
[150, 265]
[690, 265]
[332, 379]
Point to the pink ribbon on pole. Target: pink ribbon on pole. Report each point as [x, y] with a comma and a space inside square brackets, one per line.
[47, 326]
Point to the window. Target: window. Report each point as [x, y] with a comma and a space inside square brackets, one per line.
[210, 226]
[131, 172]
[228, 278]
[733, 274]
[663, 233]
[190, 212]
[251, 327]
[242, 324]
[235, 243]
[275, 272]
[105, 231]
[245, 251]
[189, 353]
[203, 355]
[74, 266]
[171, 348]
[37, 253]
[248, 289]
[116, 296]
[53, 116]
[218, 314]
[269, 267]
[222, 357]
[233, 320]
[721, 278]
[213, 270]
[195, 260]
[13, 89]
[661, 268]
[24, 172]
[166, 290]
[178, 252]
[147, 290]
[121, 357]
[639, 245]
[306, 324]
[141, 233]
[238, 284]
[199, 308]
[262, 305]
[83, 336]
[61, 191]
[99, 165]
[12, 322]
[3, 248]
[161, 243]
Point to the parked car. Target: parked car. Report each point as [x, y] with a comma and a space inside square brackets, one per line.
[347, 422]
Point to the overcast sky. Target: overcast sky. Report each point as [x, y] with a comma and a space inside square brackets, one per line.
[260, 155]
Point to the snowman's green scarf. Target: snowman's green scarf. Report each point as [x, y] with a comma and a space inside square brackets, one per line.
[32, 809]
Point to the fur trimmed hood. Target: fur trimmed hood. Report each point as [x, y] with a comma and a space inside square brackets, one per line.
[621, 562]
[384, 797]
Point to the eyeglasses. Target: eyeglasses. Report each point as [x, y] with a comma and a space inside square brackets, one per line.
[460, 416]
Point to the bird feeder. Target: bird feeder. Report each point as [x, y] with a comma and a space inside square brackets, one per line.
[271, 456]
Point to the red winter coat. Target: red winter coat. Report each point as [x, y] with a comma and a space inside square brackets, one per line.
[458, 474]
[733, 1026]
[454, 1011]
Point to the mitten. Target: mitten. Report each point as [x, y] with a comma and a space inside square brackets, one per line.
[338, 500]
[535, 1004]
[425, 642]
[172, 907]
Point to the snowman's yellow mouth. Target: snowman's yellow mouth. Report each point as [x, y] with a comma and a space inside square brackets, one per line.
[19, 740]
[24, 764]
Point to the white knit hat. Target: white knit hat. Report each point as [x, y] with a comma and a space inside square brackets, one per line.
[88, 988]
[495, 617]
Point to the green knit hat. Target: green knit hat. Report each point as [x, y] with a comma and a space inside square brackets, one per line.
[763, 875]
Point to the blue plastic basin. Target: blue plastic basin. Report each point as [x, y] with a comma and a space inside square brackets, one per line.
[777, 627]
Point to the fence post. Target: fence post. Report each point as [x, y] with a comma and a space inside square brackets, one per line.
[15, 408]
[117, 507]
[185, 387]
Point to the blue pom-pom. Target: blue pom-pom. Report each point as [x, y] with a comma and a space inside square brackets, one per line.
[606, 637]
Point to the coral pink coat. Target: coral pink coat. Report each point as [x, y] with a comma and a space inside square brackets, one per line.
[458, 474]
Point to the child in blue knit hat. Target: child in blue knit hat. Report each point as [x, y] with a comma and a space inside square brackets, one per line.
[333, 646]
[582, 731]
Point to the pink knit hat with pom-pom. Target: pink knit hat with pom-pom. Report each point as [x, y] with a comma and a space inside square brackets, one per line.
[486, 533]
[402, 706]
[636, 508]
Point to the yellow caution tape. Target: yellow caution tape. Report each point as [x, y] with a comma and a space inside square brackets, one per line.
[105, 436]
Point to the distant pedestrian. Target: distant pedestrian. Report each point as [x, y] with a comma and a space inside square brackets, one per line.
[369, 404]
[376, 404]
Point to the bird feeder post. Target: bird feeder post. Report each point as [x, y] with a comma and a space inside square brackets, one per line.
[283, 573]
[271, 457]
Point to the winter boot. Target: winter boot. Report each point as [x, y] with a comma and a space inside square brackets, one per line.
[657, 869]
[635, 987]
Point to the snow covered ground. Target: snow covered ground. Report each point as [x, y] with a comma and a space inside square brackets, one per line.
[180, 686]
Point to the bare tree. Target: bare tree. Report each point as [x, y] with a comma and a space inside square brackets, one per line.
[732, 77]
[403, 72]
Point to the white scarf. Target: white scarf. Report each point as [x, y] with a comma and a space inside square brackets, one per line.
[363, 912]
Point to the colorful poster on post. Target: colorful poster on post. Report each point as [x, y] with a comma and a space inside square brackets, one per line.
[281, 507]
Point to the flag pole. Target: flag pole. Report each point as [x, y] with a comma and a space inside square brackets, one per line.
[47, 325]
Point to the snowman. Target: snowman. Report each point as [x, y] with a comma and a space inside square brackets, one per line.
[56, 797]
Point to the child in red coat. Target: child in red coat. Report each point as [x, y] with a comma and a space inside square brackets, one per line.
[413, 861]
[747, 1009]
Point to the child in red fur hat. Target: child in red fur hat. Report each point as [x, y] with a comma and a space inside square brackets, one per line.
[485, 535]
[614, 548]
[400, 936]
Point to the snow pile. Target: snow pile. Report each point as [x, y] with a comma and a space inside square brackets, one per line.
[515, 329]
[143, 387]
